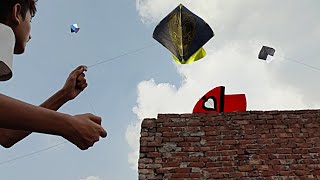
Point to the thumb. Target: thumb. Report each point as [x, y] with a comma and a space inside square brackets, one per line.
[79, 70]
[97, 120]
[103, 133]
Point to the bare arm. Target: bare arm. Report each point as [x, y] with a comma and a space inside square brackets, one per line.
[10, 137]
[82, 130]
[73, 86]
[18, 115]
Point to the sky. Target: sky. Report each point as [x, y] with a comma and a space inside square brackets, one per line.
[140, 85]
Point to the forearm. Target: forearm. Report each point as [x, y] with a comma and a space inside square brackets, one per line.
[55, 101]
[10, 137]
[21, 116]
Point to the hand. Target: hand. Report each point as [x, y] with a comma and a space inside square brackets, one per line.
[75, 83]
[86, 130]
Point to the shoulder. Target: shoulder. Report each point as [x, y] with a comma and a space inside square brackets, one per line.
[7, 42]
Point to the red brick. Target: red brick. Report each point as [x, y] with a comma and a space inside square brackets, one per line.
[293, 130]
[144, 134]
[254, 136]
[208, 128]
[280, 126]
[314, 150]
[226, 169]
[232, 146]
[191, 149]
[213, 164]
[216, 176]
[195, 123]
[147, 149]
[268, 173]
[301, 172]
[164, 129]
[192, 139]
[237, 174]
[176, 139]
[245, 168]
[267, 136]
[284, 151]
[242, 122]
[263, 167]
[286, 173]
[280, 168]
[148, 123]
[230, 142]
[213, 153]
[273, 162]
[153, 154]
[223, 147]
[180, 175]
[253, 174]
[229, 153]
[183, 170]
[311, 125]
[192, 129]
[284, 135]
[169, 134]
[197, 164]
[179, 154]
[293, 156]
[274, 131]
[171, 164]
[147, 139]
[304, 145]
[255, 162]
[184, 144]
[298, 166]
[195, 175]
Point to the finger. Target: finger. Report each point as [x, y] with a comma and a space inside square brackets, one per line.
[103, 133]
[84, 86]
[74, 75]
[91, 144]
[76, 69]
[77, 72]
[83, 81]
[81, 77]
[80, 67]
[96, 119]
[82, 147]
[96, 139]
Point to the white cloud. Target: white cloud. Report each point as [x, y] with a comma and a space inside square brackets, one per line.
[91, 178]
[241, 29]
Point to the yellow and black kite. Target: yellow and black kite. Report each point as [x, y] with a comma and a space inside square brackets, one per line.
[183, 34]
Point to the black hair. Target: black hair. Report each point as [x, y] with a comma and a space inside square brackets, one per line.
[6, 7]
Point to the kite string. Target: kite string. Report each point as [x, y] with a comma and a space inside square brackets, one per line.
[290, 59]
[121, 55]
[89, 100]
[50, 147]
[29, 154]
[4, 87]
[113, 58]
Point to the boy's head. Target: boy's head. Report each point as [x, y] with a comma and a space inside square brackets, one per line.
[17, 14]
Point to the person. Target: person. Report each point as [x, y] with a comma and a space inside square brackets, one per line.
[18, 119]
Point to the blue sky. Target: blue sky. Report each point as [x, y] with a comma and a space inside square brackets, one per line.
[108, 29]
[142, 84]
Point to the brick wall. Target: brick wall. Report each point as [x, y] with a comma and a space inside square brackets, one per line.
[253, 144]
